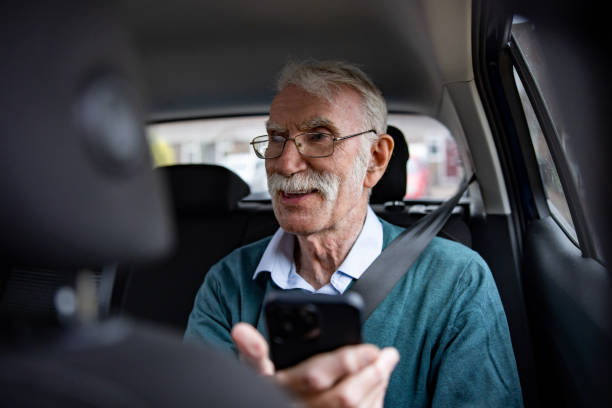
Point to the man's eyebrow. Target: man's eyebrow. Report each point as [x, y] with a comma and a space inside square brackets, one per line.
[275, 128]
[318, 122]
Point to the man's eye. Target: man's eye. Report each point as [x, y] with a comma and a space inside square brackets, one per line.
[317, 137]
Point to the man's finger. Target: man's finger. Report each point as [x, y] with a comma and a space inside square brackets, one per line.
[322, 371]
[363, 389]
[369, 385]
[374, 399]
[252, 347]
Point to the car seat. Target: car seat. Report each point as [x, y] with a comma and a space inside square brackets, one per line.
[391, 188]
[208, 228]
[78, 192]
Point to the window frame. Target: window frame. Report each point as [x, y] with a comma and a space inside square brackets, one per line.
[581, 238]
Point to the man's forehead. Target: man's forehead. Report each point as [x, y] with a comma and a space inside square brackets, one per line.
[294, 108]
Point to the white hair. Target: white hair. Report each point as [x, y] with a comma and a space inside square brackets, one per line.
[325, 78]
[326, 183]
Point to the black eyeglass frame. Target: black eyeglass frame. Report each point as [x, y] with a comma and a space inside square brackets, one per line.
[285, 139]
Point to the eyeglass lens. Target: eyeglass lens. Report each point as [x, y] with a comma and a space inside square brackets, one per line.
[308, 144]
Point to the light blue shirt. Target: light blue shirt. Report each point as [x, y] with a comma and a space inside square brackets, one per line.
[278, 259]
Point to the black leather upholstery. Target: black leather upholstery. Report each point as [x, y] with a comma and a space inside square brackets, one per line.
[392, 185]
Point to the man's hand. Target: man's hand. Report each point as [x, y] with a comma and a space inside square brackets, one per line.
[352, 376]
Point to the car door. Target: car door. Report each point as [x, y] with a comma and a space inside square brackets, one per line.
[542, 94]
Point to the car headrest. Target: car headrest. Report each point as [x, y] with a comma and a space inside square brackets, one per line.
[204, 188]
[76, 180]
[392, 185]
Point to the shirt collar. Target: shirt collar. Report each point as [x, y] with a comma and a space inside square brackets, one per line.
[366, 248]
[278, 255]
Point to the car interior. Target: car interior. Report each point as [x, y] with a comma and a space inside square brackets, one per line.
[86, 196]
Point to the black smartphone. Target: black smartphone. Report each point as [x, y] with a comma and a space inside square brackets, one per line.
[301, 325]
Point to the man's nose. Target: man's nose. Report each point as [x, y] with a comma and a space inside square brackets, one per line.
[290, 161]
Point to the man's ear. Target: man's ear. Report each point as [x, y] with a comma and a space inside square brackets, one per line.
[381, 154]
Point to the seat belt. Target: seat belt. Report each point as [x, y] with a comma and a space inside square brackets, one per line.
[397, 258]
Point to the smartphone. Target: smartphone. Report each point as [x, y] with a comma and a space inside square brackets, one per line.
[301, 325]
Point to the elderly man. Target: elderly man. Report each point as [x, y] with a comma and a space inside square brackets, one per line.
[439, 338]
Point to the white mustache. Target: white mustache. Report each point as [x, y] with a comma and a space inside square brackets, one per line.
[327, 184]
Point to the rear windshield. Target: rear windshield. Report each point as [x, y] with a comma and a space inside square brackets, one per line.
[434, 167]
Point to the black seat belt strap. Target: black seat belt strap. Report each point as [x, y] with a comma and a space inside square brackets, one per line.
[397, 258]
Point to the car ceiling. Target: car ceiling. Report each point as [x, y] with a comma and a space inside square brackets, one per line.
[221, 58]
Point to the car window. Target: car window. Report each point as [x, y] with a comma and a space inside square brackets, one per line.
[555, 195]
[434, 169]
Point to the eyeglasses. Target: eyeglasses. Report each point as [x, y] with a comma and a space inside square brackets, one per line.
[308, 144]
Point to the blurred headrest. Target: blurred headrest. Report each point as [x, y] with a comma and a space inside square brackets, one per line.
[392, 185]
[76, 181]
[204, 188]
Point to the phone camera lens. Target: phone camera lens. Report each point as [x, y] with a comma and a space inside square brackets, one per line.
[309, 316]
[287, 327]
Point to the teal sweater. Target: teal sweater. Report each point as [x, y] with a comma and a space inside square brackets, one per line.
[444, 316]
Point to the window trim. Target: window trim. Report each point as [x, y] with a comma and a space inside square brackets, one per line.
[581, 238]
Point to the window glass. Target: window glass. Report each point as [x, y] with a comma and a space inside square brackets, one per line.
[434, 168]
[525, 36]
[548, 172]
